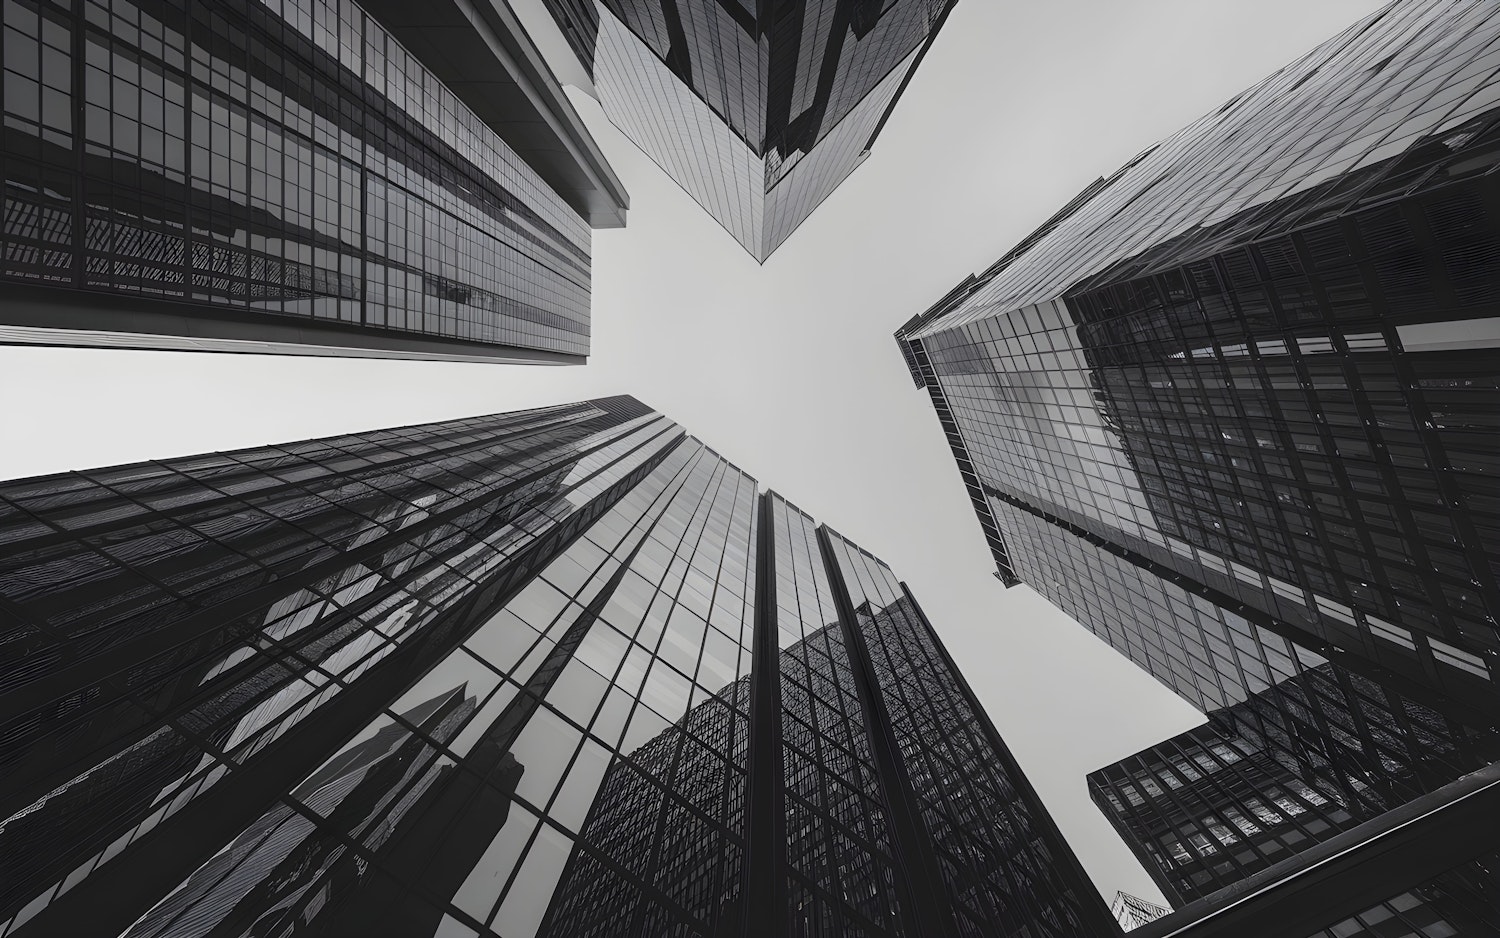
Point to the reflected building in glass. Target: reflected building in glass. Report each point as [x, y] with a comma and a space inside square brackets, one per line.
[309, 177]
[560, 672]
[758, 111]
[1233, 409]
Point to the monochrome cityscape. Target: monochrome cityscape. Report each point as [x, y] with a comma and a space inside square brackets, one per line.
[566, 670]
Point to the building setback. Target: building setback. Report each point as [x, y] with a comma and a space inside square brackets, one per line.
[758, 111]
[560, 672]
[309, 177]
[1232, 408]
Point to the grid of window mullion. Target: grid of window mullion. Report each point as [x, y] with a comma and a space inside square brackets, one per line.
[512, 471]
[272, 643]
[140, 695]
[1409, 387]
[897, 687]
[205, 34]
[72, 637]
[1369, 90]
[1197, 382]
[646, 521]
[1334, 765]
[821, 760]
[809, 658]
[1250, 785]
[308, 670]
[720, 489]
[243, 551]
[1341, 472]
[1164, 821]
[909, 723]
[1279, 427]
[1423, 569]
[698, 520]
[1216, 849]
[355, 844]
[440, 750]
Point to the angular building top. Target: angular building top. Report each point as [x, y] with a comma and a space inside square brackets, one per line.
[563, 672]
[758, 111]
[1253, 371]
[304, 177]
[1133, 911]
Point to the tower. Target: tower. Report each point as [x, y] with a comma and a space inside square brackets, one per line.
[757, 110]
[311, 177]
[564, 671]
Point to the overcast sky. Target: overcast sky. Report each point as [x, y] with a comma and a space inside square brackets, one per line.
[789, 369]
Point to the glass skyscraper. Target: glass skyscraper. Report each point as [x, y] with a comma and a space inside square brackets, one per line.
[560, 672]
[758, 111]
[1291, 766]
[1133, 911]
[298, 176]
[1233, 409]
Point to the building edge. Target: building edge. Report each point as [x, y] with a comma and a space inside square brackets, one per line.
[482, 52]
[74, 318]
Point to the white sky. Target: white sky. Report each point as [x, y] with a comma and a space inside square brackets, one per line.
[790, 370]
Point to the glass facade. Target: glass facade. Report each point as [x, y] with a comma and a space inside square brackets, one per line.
[1232, 409]
[1133, 911]
[997, 853]
[274, 172]
[1258, 355]
[1290, 767]
[1462, 901]
[758, 116]
[560, 672]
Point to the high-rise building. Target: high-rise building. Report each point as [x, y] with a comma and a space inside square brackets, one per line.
[560, 672]
[757, 110]
[1206, 810]
[1133, 911]
[1232, 409]
[312, 177]
[1291, 766]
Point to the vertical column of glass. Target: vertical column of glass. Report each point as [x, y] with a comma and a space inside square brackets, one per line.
[993, 849]
[661, 850]
[842, 876]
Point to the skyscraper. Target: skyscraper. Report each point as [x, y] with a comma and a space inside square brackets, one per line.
[301, 177]
[1291, 766]
[1133, 911]
[757, 110]
[556, 672]
[1231, 408]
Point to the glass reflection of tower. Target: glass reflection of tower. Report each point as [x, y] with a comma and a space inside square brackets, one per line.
[562, 671]
[757, 111]
[280, 874]
[1228, 409]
